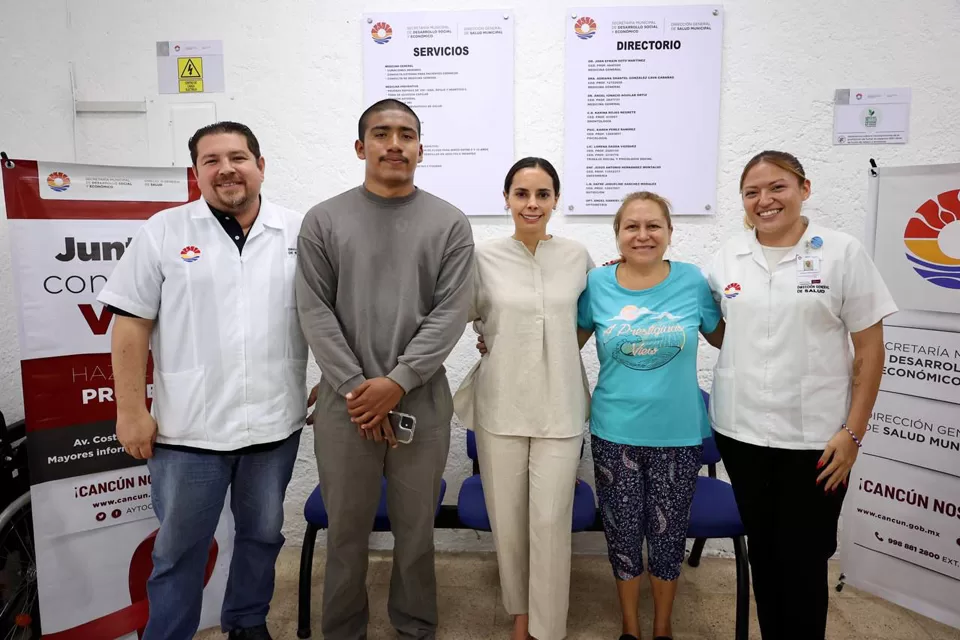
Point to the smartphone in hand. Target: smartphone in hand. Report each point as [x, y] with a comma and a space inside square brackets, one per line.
[403, 425]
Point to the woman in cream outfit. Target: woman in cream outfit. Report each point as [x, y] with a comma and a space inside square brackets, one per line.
[527, 400]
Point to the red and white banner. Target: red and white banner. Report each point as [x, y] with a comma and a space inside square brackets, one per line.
[92, 511]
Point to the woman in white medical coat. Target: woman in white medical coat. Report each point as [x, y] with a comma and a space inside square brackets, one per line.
[790, 401]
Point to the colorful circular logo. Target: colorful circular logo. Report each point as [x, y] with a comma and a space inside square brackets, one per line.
[585, 27]
[381, 33]
[58, 181]
[190, 254]
[732, 290]
[932, 237]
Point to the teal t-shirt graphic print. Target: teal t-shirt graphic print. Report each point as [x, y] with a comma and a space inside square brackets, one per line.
[644, 339]
[647, 392]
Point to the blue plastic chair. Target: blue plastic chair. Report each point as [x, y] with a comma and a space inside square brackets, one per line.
[714, 514]
[316, 515]
[472, 509]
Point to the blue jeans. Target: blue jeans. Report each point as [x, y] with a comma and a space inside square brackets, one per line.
[189, 490]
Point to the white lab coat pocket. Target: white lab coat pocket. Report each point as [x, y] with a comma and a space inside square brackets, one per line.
[723, 399]
[824, 401]
[281, 398]
[179, 404]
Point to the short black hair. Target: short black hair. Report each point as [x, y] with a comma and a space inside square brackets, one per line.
[224, 127]
[387, 104]
[532, 163]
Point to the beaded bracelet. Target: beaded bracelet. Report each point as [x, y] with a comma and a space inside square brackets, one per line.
[855, 438]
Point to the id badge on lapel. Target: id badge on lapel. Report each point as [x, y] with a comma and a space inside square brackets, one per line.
[808, 269]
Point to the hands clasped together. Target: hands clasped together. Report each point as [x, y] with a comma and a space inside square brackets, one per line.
[368, 406]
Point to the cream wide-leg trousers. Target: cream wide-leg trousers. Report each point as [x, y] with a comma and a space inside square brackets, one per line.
[528, 486]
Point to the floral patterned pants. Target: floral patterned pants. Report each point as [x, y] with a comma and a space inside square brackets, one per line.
[645, 493]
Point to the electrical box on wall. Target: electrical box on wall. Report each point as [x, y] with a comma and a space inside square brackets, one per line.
[171, 120]
[185, 119]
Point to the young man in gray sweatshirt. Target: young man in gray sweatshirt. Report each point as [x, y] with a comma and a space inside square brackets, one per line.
[383, 289]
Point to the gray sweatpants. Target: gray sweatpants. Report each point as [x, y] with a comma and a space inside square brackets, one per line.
[350, 470]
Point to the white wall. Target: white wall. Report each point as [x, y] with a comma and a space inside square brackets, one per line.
[293, 74]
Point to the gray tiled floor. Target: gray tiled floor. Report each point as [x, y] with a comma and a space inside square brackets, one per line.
[470, 607]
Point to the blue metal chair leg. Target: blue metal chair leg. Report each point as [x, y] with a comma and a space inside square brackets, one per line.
[743, 589]
[306, 581]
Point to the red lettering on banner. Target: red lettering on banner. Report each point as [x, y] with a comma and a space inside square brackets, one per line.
[69, 390]
[98, 324]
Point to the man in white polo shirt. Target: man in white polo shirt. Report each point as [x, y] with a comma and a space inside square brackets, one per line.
[208, 287]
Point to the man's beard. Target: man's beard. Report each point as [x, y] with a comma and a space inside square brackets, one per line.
[234, 200]
[237, 201]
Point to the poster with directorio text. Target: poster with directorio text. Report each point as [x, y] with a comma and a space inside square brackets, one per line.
[642, 110]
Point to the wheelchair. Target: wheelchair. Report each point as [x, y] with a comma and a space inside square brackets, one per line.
[19, 600]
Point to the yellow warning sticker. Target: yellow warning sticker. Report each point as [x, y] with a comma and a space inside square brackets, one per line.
[191, 86]
[190, 71]
[188, 68]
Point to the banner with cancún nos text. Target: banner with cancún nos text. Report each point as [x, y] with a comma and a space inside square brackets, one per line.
[901, 520]
[93, 517]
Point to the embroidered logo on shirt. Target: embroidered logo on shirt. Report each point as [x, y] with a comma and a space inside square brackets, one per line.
[190, 253]
[291, 251]
[732, 290]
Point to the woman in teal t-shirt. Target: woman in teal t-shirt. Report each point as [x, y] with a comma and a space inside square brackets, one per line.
[647, 418]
